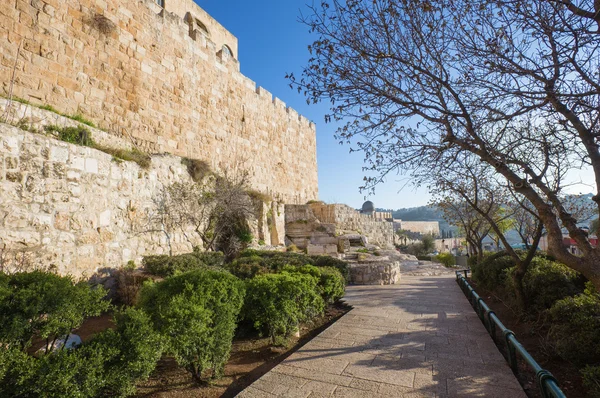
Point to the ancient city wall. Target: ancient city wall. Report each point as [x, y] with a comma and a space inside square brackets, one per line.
[82, 212]
[423, 227]
[149, 76]
[348, 219]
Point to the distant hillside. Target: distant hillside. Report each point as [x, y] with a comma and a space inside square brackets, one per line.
[422, 213]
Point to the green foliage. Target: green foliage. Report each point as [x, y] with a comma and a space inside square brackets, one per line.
[164, 265]
[79, 118]
[362, 250]
[75, 135]
[138, 347]
[546, 282]
[275, 260]
[575, 329]
[44, 304]
[129, 155]
[428, 243]
[247, 267]
[196, 313]
[331, 283]
[423, 258]
[591, 380]
[108, 365]
[277, 303]
[491, 272]
[445, 258]
[328, 261]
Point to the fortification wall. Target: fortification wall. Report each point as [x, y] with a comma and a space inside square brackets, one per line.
[423, 227]
[141, 73]
[347, 219]
[81, 212]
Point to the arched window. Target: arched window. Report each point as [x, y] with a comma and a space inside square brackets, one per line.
[227, 51]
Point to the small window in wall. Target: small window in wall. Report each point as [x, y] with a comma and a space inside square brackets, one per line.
[202, 28]
[161, 3]
[227, 51]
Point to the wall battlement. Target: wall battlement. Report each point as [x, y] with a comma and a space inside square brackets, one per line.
[151, 74]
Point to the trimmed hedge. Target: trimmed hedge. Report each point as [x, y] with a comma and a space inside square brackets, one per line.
[275, 260]
[575, 327]
[196, 312]
[447, 259]
[46, 305]
[331, 283]
[164, 265]
[490, 273]
[545, 282]
[277, 303]
[108, 365]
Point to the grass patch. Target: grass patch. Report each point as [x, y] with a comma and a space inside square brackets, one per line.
[79, 118]
[49, 108]
[82, 136]
[130, 155]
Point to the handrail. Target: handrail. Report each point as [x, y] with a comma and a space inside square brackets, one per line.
[547, 384]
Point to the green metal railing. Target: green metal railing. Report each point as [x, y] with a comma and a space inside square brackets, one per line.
[547, 384]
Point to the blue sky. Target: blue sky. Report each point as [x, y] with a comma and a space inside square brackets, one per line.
[272, 43]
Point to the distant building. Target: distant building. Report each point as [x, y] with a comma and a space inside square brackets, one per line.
[368, 209]
[569, 243]
[422, 227]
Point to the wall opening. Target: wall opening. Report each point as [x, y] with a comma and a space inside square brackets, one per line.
[227, 51]
[161, 3]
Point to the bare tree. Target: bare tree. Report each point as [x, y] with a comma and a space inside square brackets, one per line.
[514, 83]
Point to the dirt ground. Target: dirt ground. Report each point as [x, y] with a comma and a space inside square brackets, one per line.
[532, 335]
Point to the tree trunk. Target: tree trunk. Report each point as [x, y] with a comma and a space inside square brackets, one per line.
[518, 277]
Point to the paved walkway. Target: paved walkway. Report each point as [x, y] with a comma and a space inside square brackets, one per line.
[420, 338]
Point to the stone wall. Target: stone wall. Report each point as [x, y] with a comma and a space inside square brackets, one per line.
[319, 223]
[347, 219]
[79, 211]
[422, 227]
[145, 74]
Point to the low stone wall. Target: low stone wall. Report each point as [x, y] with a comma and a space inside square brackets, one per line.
[80, 211]
[375, 273]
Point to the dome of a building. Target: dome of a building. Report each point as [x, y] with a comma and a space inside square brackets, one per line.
[368, 207]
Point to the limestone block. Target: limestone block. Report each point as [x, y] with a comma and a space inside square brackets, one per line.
[59, 154]
[91, 165]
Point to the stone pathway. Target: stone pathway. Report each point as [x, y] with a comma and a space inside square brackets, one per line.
[420, 338]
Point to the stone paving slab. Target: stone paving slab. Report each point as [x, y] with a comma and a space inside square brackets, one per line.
[419, 338]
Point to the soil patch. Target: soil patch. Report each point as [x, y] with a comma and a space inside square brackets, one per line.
[532, 335]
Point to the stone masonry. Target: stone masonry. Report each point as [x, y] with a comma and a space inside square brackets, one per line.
[167, 80]
[82, 212]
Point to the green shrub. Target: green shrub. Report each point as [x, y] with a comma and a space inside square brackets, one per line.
[331, 283]
[545, 282]
[447, 259]
[575, 329]
[137, 350]
[275, 260]
[591, 380]
[75, 135]
[45, 304]
[328, 261]
[490, 273]
[108, 365]
[247, 267]
[196, 313]
[277, 303]
[424, 258]
[210, 259]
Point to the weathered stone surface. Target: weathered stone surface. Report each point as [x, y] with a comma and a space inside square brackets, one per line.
[375, 273]
[95, 213]
[158, 78]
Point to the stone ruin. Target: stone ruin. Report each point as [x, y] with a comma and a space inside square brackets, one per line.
[362, 239]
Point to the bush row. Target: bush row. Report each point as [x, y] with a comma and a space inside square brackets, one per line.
[191, 315]
[43, 306]
[560, 296]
